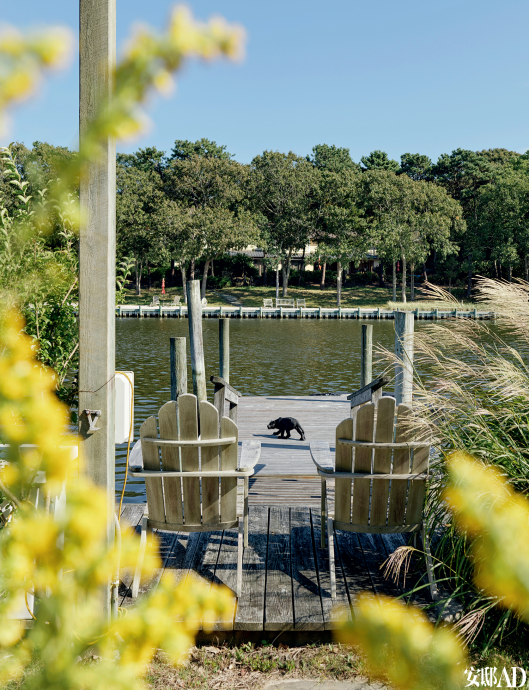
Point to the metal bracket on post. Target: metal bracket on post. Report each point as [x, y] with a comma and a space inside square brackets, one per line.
[92, 422]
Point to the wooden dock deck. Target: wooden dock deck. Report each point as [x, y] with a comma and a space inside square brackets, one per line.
[286, 583]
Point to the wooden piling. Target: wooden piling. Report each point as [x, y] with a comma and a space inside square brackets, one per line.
[224, 349]
[194, 310]
[404, 329]
[366, 358]
[178, 357]
[97, 262]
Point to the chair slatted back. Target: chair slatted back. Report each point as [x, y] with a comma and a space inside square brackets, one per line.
[385, 427]
[178, 501]
[380, 503]
[343, 463]
[365, 420]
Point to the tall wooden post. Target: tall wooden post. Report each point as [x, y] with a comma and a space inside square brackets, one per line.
[224, 349]
[366, 358]
[198, 368]
[97, 258]
[404, 329]
[178, 367]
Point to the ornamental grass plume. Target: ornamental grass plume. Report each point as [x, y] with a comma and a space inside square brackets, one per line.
[401, 645]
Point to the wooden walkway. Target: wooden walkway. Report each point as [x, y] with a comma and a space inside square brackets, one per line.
[286, 582]
[285, 574]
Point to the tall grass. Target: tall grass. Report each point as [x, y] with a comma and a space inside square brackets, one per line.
[475, 398]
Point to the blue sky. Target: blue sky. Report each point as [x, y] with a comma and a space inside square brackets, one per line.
[410, 76]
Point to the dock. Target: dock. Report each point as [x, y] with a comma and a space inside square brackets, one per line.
[286, 584]
[181, 312]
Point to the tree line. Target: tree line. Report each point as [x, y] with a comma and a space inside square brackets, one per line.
[465, 214]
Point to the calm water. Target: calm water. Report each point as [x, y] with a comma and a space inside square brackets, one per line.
[267, 357]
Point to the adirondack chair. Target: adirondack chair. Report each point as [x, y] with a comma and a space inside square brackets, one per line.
[184, 493]
[380, 492]
[301, 303]
[176, 301]
[155, 301]
[268, 303]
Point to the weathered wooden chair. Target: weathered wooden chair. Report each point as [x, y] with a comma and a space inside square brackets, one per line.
[380, 478]
[155, 301]
[268, 303]
[301, 303]
[176, 301]
[193, 487]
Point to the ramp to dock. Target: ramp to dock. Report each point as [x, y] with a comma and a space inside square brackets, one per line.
[319, 416]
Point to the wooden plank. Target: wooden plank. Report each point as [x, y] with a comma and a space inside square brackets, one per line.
[334, 611]
[251, 604]
[351, 558]
[365, 394]
[321, 456]
[166, 542]
[279, 612]
[250, 454]
[417, 488]
[374, 556]
[171, 461]
[366, 355]
[385, 429]
[188, 426]
[308, 612]
[231, 393]
[343, 463]
[131, 514]
[401, 465]
[228, 486]
[209, 429]
[151, 461]
[362, 463]
[226, 573]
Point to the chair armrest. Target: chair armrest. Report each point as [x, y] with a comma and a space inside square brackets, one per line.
[250, 454]
[136, 457]
[321, 456]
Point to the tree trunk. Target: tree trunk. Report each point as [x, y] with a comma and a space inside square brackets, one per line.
[495, 269]
[424, 274]
[381, 274]
[139, 268]
[322, 281]
[204, 279]
[450, 284]
[212, 269]
[148, 275]
[277, 282]
[173, 273]
[394, 280]
[338, 283]
[285, 272]
[265, 270]
[500, 272]
[412, 283]
[183, 274]
[403, 279]
[526, 268]
[469, 278]
[191, 270]
[302, 271]
[510, 273]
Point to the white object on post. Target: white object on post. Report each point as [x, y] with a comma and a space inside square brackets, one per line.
[124, 405]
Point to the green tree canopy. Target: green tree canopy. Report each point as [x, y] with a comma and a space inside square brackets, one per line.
[332, 158]
[379, 160]
[283, 187]
[184, 149]
[416, 165]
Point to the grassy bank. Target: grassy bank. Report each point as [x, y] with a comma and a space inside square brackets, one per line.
[352, 297]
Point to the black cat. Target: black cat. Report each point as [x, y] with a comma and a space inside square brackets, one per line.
[285, 425]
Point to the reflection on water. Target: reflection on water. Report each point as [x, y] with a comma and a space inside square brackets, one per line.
[267, 357]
